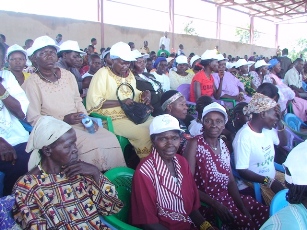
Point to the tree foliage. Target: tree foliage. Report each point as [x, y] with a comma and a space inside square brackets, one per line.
[299, 48]
[189, 29]
[243, 35]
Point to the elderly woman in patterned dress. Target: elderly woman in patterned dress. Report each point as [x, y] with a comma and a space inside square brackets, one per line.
[209, 160]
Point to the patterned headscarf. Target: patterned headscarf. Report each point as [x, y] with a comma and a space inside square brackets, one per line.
[169, 97]
[46, 131]
[259, 103]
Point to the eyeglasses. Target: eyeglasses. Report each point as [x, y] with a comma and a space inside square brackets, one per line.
[211, 122]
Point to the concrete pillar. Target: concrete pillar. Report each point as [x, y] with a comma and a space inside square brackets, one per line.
[218, 23]
[251, 31]
[276, 35]
[171, 23]
[100, 18]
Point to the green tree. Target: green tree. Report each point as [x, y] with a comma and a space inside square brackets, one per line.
[189, 29]
[299, 48]
[243, 35]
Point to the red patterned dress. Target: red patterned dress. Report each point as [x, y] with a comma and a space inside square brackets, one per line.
[212, 177]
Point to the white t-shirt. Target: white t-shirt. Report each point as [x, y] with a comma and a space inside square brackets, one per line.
[255, 151]
[164, 80]
[10, 128]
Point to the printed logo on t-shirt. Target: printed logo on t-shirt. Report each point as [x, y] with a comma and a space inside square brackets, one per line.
[268, 159]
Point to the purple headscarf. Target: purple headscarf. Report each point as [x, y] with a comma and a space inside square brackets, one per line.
[158, 60]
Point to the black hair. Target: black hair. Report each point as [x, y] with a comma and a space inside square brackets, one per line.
[192, 55]
[90, 46]
[92, 56]
[296, 193]
[59, 35]
[93, 39]
[60, 54]
[205, 63]
[102, 49]
[130, 43]
[28, 40]
[284, 51]
[3, 37]
[149, 60]
[268, 89]
[201, 103]
[152, 52]
[172, 55]
[238, 109]
[3, 50]
[298, 60]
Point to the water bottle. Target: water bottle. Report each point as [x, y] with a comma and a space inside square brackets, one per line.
[89, 124]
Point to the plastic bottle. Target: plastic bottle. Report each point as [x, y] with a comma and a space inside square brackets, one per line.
[89, 124]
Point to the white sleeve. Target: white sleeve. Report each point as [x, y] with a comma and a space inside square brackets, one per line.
[167, 84]
[274, 135]
[242, 151]
[16, 91]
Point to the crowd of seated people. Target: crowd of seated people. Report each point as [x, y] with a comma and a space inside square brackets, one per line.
[212, 158]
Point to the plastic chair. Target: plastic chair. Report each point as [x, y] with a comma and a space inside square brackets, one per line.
[279, 202]
[121, 177]
[292, 140]
[294, 122]
[26, 125]
[290, 108]
[184, 89]
[233, 101]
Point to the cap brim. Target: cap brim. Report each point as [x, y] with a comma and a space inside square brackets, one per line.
[215, 110]
[21, 51]
[32, 51]
[77, 51]
[162, 130]
[127, 58]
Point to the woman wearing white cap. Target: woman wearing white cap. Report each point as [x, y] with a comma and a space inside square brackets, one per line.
[53, 91]
[146, 81]
[164, 194]
[260, 74]
[203, 82]
[180, 76]
[69, 59]
[209, 160]
[101, 97]
[244, 77]
[17, 58]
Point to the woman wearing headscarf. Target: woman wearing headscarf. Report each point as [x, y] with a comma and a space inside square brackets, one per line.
[17, 58]
[146, 81]
[254, 145]
[164, 195]
[53, 91]
[299, 105]
[174, 103]
[61, 192]
[203, 82]
[101, 98]
[161, 68]
[209, 160]
[180, 76]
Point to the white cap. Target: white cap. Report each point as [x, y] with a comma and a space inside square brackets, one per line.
[209, 54]
[242, 62]
[220, 57]
[229, 65]
[163, 123]
[261, 63]
[40, 43]
[123, 51]
[104, 54]
[169, 59]
[70, 45]
[193, 59]
[296, 163]
[15, 48]
[181, 59]
[215, 107]
[137, 54]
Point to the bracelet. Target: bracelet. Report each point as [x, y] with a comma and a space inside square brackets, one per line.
[205, 225]
[266, 180]
[5, 95]
[281, 129]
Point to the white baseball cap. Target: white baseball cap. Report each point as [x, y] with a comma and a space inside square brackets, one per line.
[169, 59]
[163, 123]
[209, 54]
[215, 107]
[123, 51]
[181, 59]
[296, 163]
[229, 65]
[242, 62]
[137, 54]
[40, 43]
[193, 59]
[220, 57]
[70, 45]
[261, 63]
[15, 48]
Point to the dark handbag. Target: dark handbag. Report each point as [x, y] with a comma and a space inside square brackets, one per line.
[137, 112]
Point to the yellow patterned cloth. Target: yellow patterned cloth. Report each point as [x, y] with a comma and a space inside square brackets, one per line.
[53, 201]
[103, 87]
[259, 103]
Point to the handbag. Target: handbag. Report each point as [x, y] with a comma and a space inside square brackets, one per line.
[137, 112]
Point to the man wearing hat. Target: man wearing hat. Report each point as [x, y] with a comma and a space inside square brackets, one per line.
[294, 216]
[203, 82]
[69, 55]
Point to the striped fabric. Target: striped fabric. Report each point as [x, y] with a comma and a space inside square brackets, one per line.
[52, 201]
